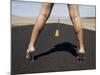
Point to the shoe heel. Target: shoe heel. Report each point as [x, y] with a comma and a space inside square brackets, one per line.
[81, 57]
[29, 56]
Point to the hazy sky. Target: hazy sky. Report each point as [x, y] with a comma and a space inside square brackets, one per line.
[31, 9]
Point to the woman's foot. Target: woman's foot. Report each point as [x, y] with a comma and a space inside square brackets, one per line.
[81, 55]
[29, 53]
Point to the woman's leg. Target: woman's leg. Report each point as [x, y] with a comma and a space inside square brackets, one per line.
[40, 22]
[75, 18]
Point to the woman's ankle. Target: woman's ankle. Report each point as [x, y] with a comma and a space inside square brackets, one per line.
[81, 50]
[31, 46]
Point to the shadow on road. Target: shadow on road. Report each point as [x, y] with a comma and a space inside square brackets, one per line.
[65, 46]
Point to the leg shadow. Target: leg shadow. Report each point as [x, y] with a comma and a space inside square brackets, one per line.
[65, 46]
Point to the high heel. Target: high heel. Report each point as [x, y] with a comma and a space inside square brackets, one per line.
[81, 56]
[29, 54]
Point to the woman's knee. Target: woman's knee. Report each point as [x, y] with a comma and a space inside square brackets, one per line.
[44, 15]
[73, 11]
[75, 18]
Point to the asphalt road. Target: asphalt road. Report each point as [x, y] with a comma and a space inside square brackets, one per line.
[52, 54]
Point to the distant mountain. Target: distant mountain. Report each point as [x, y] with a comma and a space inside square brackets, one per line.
[89, 18]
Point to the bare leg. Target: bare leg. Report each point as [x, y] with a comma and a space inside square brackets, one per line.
[39, 24]
[75, 18]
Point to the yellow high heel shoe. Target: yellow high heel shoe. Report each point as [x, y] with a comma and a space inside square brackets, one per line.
[29, 53]
[81, 56]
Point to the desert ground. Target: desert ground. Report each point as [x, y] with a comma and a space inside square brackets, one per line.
[87, 23]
